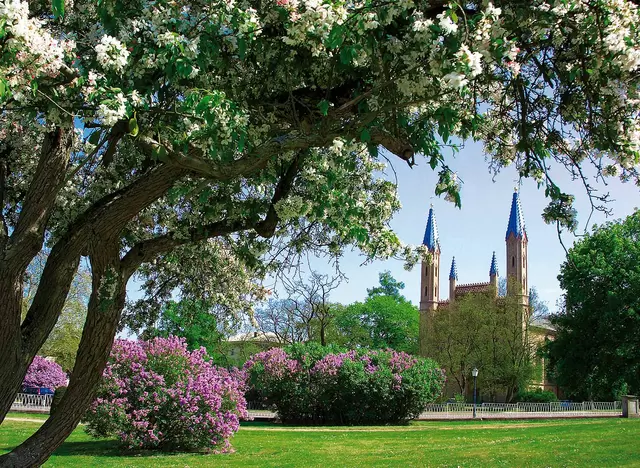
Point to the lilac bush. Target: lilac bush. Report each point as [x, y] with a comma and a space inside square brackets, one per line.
[44, 373]
[311, 384]
[157, 394]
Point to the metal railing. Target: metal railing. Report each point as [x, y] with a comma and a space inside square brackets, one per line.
[28, 402]
[42, 403]
[523, 410]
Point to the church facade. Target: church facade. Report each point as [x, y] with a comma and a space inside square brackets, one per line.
[516, 245]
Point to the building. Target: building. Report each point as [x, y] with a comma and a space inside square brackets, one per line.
[516, 243]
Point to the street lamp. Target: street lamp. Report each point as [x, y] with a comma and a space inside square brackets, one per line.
[474, 372]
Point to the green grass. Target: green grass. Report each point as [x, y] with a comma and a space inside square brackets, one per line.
[41, 416]
[550, 443]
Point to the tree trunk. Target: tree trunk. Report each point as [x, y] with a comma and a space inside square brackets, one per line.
[19, 249]
[20, 342]
[14, 366]
[105, 306]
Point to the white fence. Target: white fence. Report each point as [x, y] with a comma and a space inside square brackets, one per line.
[523, 410]
[591, 409]
[34, 403]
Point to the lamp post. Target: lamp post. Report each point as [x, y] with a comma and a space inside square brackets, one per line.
[474, 372]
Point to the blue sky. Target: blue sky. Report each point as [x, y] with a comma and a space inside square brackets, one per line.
[475, 231]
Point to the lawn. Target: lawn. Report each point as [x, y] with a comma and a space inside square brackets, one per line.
[551, 443]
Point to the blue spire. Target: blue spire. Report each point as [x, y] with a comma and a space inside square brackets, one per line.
[516, 221]
[493, 271]
[453, 274]
[431, 239]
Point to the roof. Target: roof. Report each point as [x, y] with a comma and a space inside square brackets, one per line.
[516, 221]
[254, 336]
[431, 239]
[472, 288]
[453, 274]
[543, 323]
[493, 270]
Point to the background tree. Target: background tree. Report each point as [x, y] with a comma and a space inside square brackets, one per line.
[188, 319]
[478, 331]
[389, 286]
[538, 309]
[596, 351]
[259, 125]
[62, 343]
[386, 319]
[306, 314]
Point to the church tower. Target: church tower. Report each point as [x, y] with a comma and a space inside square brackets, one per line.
[516, 240]
[493, 274]
[430, 283]
[453, 278]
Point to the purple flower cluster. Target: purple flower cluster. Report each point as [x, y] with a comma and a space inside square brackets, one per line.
[275, 363]
[157, 394]
[310, 384]
[44, 373]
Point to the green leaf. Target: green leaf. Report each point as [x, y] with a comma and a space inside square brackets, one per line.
[3, 32]
[242, 47]
[57, 6]
[133, 126]
[203, 105]
[3, 88]
[184, 67]
[348, 54]
[324, 106]
[336, 37]
[365, 136]
[94, 138]
[454, 17]
[241, 142]
[160, 153]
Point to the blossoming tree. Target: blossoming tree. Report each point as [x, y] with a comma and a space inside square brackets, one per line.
[135, 132]
[44, 373]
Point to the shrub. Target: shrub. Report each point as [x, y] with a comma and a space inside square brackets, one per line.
[309, 384]
[44, 373]
[536, 396]
[157, 394]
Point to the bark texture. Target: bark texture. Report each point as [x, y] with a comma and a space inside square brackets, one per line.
[105, 305]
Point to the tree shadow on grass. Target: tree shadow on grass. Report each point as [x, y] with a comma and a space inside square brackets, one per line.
[111, 448]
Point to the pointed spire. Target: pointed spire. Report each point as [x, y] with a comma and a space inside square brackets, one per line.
[516, 221]
[453, 274]
[431, 239]
[493, 271]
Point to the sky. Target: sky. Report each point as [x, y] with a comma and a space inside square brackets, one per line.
[472, 233]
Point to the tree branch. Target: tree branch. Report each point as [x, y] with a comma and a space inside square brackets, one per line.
[194, 162]
[26, 239]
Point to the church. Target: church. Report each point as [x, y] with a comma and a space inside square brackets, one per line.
[516, 268]
[516, 242]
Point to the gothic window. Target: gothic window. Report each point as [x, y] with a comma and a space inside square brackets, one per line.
[513, 261]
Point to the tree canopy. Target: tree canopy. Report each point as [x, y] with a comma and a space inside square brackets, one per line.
[480, 331]
[140, 133]
[596, 351]
[385, 319]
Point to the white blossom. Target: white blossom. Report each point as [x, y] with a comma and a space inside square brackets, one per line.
[111, 53]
